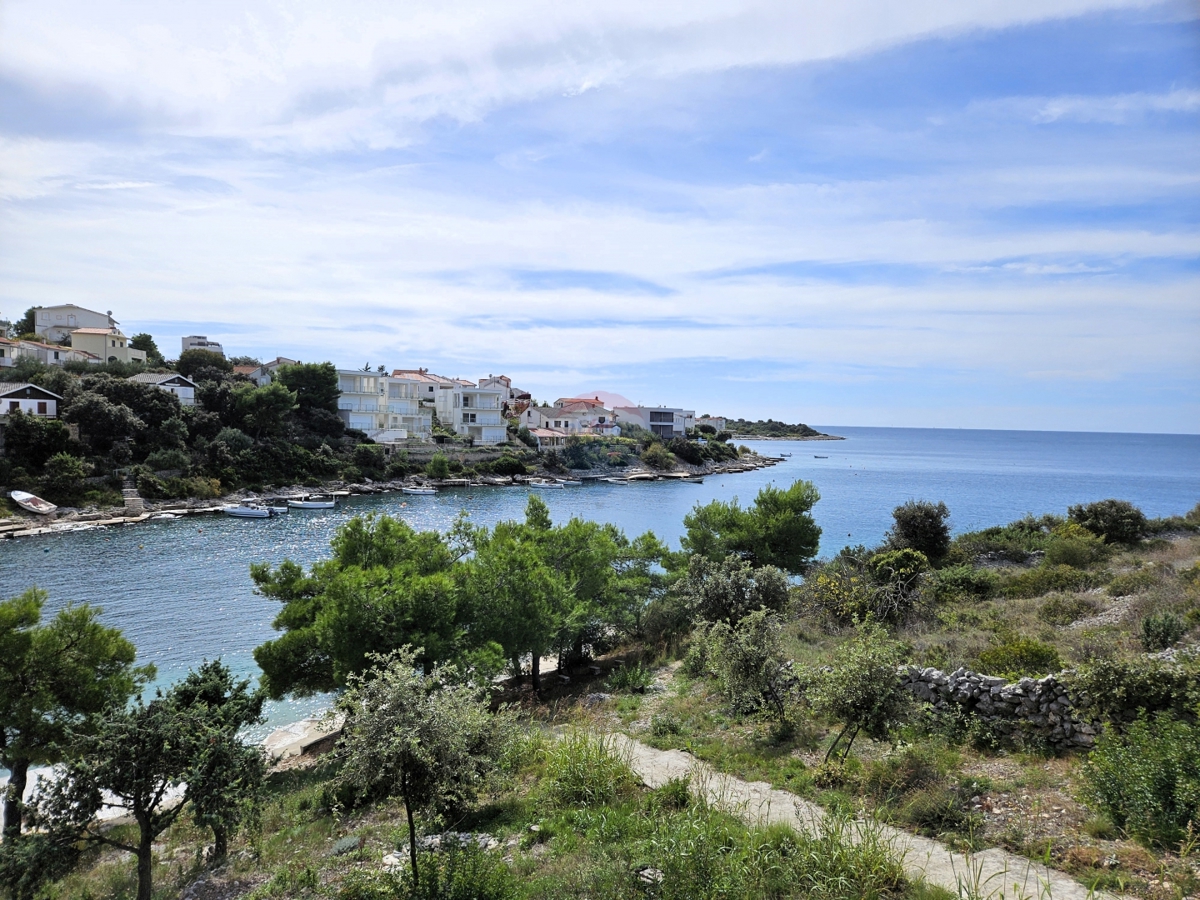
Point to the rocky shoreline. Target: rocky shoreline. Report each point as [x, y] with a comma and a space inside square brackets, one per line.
[68, 520]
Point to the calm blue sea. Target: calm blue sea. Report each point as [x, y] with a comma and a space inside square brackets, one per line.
[181, 589]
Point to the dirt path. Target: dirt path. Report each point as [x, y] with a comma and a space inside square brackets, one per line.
[992, 874]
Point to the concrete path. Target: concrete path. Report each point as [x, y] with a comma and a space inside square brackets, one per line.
[990, 874]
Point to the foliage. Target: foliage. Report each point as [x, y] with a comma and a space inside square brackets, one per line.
[1046, 578]
[771, 428]
[962, 582]
[586, 770]
[314, 384]
[1134, 582]
[778, 530]
[861, 689]
[64, 475]
[438, 467]
[263, 410]
[1015, 657]
[191, 362]
[30, 441]
[1073, 545]
[145, 343]
[921, 525]
[630, 679]
[1014, 541]
[1118, 690]
[750, 666]
[730, 589]
[688, 451]
[457, 872]
[429, 739]
[1117, 521]
[884, 587]
[508, 465]
[55, 678]
[1063, 609]
[1161, 630]
[184, 739]
[656, 456]
[1147, 779]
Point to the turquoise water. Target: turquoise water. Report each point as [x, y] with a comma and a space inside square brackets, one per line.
[181, 589]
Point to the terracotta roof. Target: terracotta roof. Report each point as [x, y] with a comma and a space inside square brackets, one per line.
[547, 432]
[246, 370]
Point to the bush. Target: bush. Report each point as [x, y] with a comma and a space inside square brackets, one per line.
[1073, 545]
[1118, 690]
[235, 440]
[1047, 578]
[1014, 541]
[1117, 521]
[1063, 609]
[438, 467]
[1134, 582]
[508, 465]
[1161, 630]
[65, 474]
[630, 679]
[656, 456]
[750, 666]
[1147, 780]
[456, 872]
[921, 525]
[161, 460]
[1016, 657]
[964, 581]
[731, 589]
[686, 450]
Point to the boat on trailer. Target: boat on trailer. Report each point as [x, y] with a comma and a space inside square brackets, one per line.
[314, 501]
[28, 501]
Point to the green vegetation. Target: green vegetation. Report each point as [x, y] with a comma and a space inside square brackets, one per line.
[770, 429]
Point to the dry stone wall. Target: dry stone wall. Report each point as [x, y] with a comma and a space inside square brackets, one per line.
[1037, 708]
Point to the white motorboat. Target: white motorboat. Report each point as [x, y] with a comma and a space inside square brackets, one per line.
[544, 484]
[314, 501]
[417, 490]
[569, 482]
[248, 512]
[28, 501]
[617, 480]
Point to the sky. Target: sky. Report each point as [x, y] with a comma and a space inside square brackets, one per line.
[936, 213]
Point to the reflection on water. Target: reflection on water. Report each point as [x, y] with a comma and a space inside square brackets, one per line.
[181, 590]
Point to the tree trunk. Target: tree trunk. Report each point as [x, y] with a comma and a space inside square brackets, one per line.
[220, 843]
[535, 672]
[14, 807]
[145, 865]
[412, 838]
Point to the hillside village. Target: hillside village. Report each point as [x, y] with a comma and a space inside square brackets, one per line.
[88, 412]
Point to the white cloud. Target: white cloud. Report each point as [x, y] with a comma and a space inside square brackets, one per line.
[1110, 109]
[316, 74]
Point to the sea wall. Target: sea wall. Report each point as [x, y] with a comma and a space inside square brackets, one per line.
[1032, 708]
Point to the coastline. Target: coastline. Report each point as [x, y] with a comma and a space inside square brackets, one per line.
[811, 437]
[71, 520]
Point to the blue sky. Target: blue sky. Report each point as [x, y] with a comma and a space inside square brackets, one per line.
[939, 214]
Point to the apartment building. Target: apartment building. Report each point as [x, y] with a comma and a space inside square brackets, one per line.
[201, 342]
[387, 408]
[53, 323]
[666, 422]
[461, 406]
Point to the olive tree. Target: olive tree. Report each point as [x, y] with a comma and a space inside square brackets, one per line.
[430, 739]
[861, 689]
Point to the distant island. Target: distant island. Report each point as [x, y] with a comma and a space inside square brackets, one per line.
[772, 430]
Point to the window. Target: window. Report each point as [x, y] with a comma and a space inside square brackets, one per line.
[56, 354]
[662, 416]
[13, 405]
[601, 420]
[469, 418]
[41, 407]
[1, 353]
[45, 317]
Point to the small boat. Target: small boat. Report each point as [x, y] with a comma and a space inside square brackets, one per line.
[249, 511]
[314, 501]
[815, 456]
[163, 516]
[544, 484]
[34, 504]
[617, 480]
[785, 455]
[694, 479]
[643, 476]
[417, 490]
[567, 482]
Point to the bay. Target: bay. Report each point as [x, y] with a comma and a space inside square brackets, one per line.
[181, 591]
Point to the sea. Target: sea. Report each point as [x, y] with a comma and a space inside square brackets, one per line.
[180, 589]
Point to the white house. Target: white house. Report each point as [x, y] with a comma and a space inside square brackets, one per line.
[666, 422]
[201, 342]
[26, 398]
[265, 374]
[386, 408]
[10, 352]
[172, 383]
[461, 406]
[55, 322]
[55, 354]
[717, 422]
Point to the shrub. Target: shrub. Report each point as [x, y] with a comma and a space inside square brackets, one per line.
[65, 474]
[686, 450]
[1047, 578]
[438, 467]
[934, 809]
[234, 439]
[1063, 609]
[1073, 545]
[508, 465]
[656, 456]
[1161, 630]
[1134, 582]
[1016, 657]
[750, 666]
[161, 460]
[921, 525]
[861, 689]
[963, 581]
[1147, 780]
[1117, 521]
[731, 589]
[1118, 690]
